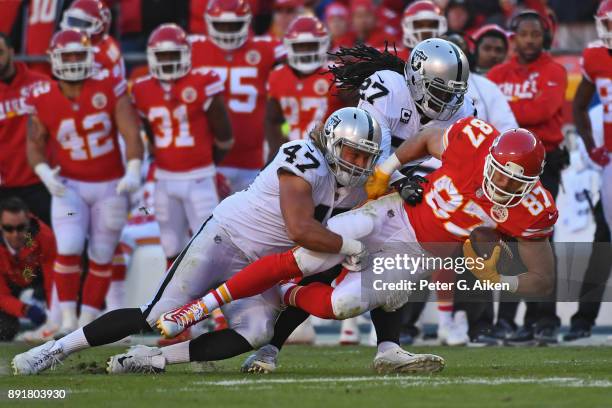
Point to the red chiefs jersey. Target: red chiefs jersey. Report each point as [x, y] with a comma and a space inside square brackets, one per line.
[107, 55]
[82, 133]
[305, 100]
[244, 73]
[597, 68]
[40, 26]
[177, 115]
[14, 168]
[454, 203]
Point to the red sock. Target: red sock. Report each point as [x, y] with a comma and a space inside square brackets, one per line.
[96, 285]
[67, 276]
[262, 274]
[120, 261]
[314, 298]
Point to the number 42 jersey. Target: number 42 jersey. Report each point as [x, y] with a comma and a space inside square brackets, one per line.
[253, 216]
[454, 203]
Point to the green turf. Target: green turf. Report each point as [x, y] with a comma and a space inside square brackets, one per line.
[337, 377]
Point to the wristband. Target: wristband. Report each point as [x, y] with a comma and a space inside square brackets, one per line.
[224, 144]
[350, 246]
[133, 166]
[390, 165]
[512, 281]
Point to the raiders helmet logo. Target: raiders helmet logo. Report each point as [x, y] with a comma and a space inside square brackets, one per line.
[416, 60]
[321, 87]
[189, 95]
[253, 57]
[332, 123]
[99, 100]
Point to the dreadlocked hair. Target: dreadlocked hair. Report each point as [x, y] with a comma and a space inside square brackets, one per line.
[356, 64]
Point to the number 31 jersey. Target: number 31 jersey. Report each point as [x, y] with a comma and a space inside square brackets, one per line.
[82, 132]
[454, 203]
[253, 216]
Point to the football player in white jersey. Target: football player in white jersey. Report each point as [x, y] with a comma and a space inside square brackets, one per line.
[307, 178]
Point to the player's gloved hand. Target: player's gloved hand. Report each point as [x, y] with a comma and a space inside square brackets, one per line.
[131, 180]
[36, 314]
[356, 254]
[378, 182]
[49, 178]
[485, 270]
[410, 189]
[600, 155]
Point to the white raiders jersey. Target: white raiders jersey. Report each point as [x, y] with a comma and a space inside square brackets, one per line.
[253, 217]
[387, 98]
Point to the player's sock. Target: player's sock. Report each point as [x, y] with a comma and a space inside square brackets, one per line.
[115, 297]
[67, 277]
[287, 322]
[314, 299]
[115, 325]
[218, 345]
[96, 284]
[256, 278]
[445, 313]
[176, 353]
[72, 342]
[387, 325]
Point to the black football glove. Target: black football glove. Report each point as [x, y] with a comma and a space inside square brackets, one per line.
[410, 189]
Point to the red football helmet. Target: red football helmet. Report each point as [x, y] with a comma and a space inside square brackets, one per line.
[422, 20]
[228, 22]
[488, 28]
[307, 43]
[168, 52]
[72, 55]
[516, 157]
[91, 16]
[603, 22]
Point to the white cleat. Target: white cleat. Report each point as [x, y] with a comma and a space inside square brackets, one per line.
[262, 362]
[176, 321]
[398, 360]
[349, 333]
[303, 334]
[138, 359]
[458, 331]
[38, 359]
[44, 333]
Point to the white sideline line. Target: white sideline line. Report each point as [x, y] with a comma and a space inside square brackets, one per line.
[419, 381]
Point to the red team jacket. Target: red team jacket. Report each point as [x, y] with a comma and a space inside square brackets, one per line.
[454, 204]
[82, 133]
[305, 100]
[14, 168]
[18, 269]
[244, 73]
[597, 68]
[536, 93]
[183, 140]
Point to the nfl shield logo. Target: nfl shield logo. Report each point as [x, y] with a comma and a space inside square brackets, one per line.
[99, 100]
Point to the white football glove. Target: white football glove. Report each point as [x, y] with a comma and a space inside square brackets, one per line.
[356, 254]
[130, 182]
[49, 178]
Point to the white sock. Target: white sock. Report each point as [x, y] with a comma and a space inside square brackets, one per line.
[115, 296]
[88, 315]
[54, 316]
[387, 345]
[72, 342]
[445, 318]
[176, 353]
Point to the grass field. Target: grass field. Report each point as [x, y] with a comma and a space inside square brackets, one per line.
[335, 377]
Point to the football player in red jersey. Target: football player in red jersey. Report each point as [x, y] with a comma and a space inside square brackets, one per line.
[597, 77]
[422, 19]
[299, 91]
[94, 18]
[76, 120]
[187, 123]
[243, 63]
[498, 188]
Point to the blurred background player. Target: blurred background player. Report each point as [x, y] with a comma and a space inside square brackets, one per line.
[243, 63]
[336, 20]
[186, 121]
[75, 120]
[284, 12]
[597, 78]
[27, 253]
[491, 46]
[94, 18]
[421, 20]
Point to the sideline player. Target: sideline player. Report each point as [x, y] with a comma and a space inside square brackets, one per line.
[78, 117]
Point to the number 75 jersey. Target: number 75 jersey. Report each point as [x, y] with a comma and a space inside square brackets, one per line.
[454, 203]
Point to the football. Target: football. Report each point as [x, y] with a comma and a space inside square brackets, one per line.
[484, 240]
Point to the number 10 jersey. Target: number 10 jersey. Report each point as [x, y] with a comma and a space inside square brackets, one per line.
[253, 217]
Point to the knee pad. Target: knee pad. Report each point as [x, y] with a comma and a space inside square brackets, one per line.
[113, 212]
[101, 251]
[70, 239]
[346, 304]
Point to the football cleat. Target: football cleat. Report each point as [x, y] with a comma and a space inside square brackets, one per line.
[38, 359]
[262, 362]
[174, 322]
[398, 360]
[138, 359]
[457, 334]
